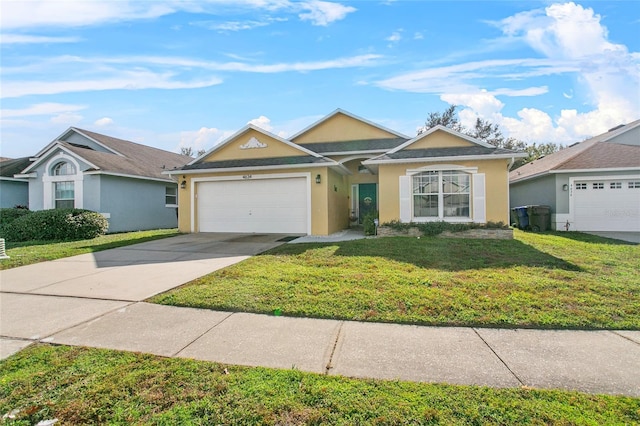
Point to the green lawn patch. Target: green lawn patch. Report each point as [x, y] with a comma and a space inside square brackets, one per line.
[94, 386]
[29, 252]
[550, 280]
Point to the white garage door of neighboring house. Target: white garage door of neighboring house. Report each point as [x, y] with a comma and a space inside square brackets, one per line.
[606, 205]
[254, 205]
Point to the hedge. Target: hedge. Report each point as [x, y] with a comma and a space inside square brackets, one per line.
[55, 225]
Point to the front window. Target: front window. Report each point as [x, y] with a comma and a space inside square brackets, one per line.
[64, 195]
[441, 194]
[171, 196]
[64, 169]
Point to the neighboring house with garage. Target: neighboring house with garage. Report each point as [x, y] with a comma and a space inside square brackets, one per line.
[13, 192]
[337, 170]
[122, 180]
[593, 185]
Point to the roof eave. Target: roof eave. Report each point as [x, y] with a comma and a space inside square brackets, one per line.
[440, 159]
[251, 168]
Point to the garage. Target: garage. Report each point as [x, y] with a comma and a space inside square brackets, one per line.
[254, 205]
[606, 204]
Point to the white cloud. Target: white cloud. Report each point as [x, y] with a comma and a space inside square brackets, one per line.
[204, 138]
[47, 108]
[418, 36]
[47, 13]
[322, 13]
[573, 42]
[103, 122]
[395, 36]
[144, 73]
[262, 122]
[35, 39]
[66, 118]
[119, 80]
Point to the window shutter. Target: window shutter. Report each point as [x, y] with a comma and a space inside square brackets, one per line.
[405, 199]
[479, 199]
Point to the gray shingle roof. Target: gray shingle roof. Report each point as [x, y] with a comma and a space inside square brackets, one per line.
[598, 152]
[10, 167]
[136, 160]
[444, 152]
[258, 162]
[357, 145]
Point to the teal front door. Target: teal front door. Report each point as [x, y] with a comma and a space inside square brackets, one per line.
[367, 199]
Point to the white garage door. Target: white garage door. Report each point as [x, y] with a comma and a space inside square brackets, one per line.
[254, 205]
[606, 205]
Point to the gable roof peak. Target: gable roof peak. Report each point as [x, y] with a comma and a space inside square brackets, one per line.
[348, 114]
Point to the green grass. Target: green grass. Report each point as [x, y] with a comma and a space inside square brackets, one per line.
[30, 252]
[550, 280]
[94, 386]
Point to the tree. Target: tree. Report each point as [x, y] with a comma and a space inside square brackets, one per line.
[449, 118]
[187, 150]
[490, 133]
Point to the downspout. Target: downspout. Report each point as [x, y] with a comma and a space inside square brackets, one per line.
[513, 160]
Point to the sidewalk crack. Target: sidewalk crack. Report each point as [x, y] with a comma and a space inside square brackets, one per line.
[201, 334]
[333, 350]
[499, 357]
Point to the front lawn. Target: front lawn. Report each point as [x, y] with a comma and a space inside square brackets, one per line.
[93, 386]
[551, 280]
[30, 252]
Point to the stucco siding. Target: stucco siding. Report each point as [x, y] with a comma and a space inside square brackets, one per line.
[338, 205]
[631, 137]
[91, 193]
[135, 204]
[341, 127]
[496, 188]
[439, 139]
[13, 193]
[237, 148]
[539, 191]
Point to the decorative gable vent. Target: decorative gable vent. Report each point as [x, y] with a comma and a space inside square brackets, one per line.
[253, 143]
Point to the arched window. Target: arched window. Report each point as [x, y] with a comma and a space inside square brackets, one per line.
[63, 169]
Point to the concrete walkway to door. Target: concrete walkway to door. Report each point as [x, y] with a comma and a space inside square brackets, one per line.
[96, 300]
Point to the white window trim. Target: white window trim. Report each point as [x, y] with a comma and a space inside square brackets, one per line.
[441, 217]
[48, 181]
[176, 196]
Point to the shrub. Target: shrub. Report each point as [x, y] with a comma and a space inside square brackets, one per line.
[9, 215]
[436, 228]
[58, 224]
[368, 222]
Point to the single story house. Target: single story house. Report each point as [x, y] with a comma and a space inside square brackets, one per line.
[336, 171]
[122, 180]
[13, 192]
[593, 185]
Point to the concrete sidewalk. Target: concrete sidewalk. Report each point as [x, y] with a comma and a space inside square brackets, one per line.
[96, 300]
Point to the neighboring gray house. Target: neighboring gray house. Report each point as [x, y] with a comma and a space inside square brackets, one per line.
[13, 191]
[592, 185]
[122, 180]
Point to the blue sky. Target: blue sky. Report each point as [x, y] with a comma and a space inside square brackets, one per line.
[190, 73]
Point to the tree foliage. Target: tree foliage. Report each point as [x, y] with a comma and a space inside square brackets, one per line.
[490, 133]
[188, 150]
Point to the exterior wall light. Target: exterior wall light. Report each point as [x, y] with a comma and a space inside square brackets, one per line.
[565, 187]
[318, 178]
[183, 184]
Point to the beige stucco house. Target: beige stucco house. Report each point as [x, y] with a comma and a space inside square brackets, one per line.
[334, 172]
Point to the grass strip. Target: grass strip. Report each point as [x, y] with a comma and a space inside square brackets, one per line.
[552, 280]
[29, 252]
[95, 386]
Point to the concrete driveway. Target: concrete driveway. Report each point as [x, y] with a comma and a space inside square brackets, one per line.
[136, 272]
